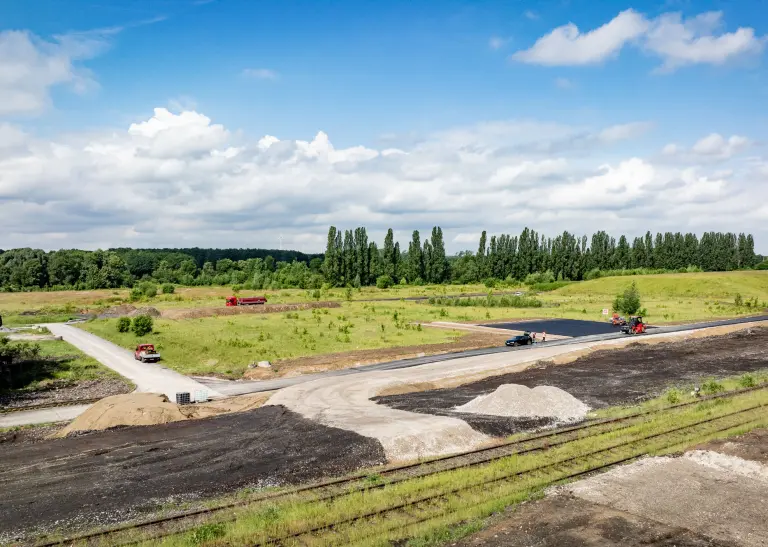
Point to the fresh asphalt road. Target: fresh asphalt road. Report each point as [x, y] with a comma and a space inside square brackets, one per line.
[148, 377]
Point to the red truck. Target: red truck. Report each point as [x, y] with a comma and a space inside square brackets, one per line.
[248, 301]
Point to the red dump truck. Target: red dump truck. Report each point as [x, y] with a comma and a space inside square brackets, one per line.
[248, 301]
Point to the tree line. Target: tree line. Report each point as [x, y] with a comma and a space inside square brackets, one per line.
[351, 259]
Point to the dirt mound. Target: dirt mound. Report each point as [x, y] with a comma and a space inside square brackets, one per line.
[126, 310]
[116, 311]
[130, 409]
[518, 401]
[197, 313]
[152, 312]
[154, 409]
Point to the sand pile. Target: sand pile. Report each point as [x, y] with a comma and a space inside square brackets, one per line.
[154, 409]
[518, 401]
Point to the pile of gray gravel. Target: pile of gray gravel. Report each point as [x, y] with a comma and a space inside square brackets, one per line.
[513, 400]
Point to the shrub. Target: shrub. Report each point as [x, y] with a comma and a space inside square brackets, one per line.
[207, 533]
[383, 282]
[747, 380]
[142, 325]
[628, 302]
[348, 293]
[123, 324]
[168, 288]
[490, 282]
[673, 396]
[540, 277]
[711, 387]
[738, 301]
[145, 288]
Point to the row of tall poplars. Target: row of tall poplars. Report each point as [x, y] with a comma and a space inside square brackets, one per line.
[353, 259]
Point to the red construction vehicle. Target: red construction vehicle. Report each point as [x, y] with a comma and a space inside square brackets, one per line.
[634, 326]
[618, 321]
[146, 353]
[247, 301]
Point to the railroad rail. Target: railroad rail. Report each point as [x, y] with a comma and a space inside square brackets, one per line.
[334, 488]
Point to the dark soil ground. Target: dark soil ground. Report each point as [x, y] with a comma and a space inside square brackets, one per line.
[111, 476]
[29, 434]
[605, 378]
[564, 521]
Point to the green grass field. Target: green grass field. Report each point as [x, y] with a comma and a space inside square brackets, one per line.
[228, 344]
[59, 364]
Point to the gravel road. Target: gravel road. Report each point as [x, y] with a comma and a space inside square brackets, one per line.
[148, 377]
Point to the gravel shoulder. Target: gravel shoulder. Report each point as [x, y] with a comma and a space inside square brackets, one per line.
[112, 476]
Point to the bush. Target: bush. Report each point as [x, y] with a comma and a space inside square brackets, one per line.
[383, 282]
[762, 266]
[628, 302]
[142, 325]
[738, 301]
[747, 380]
[540, 277]
[145, 288]
[490, 282]
[123, 324]
[348, 293]
[711, 387]
[168, 288]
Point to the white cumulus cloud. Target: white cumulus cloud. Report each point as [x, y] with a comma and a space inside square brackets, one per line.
[677, 41]
[181, 179]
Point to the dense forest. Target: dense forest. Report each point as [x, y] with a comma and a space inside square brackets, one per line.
[352, 260]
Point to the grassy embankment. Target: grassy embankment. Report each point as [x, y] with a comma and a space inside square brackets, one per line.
[58, 364]
[227, 344]
[466, 497]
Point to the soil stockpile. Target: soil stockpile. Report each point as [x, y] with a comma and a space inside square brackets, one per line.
[153, 409]
[126, 310]
[197, 313]
[111, 476]
[130, 409]
[604, 377]
[516, 401]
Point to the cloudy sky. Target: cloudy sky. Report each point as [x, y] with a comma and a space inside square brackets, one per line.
[234, 123]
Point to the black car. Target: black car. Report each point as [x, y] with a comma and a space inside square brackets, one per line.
[522, 340]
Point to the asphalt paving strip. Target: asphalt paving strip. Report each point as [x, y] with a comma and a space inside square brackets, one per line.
[561, 327]
[108, 476]
[606, 377]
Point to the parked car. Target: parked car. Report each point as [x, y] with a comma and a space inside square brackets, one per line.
[521, 340]
[146, 353]
[519, 293]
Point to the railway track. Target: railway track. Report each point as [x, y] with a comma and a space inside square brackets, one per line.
[329, 490]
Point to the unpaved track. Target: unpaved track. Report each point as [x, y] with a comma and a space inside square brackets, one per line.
[345, 401]
[150, 378]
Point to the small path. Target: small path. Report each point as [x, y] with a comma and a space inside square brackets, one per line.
[42, 416]
[148, 378]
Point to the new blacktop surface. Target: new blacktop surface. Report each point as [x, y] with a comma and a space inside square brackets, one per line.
[562, 327]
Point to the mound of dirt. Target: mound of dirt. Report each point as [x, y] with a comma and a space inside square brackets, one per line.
[154, 409]
[197, 313]
[130, 409]
[152, 312]
[514, 400]
[126, 310]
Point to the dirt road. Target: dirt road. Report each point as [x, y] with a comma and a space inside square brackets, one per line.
[150, 378]
[345, 401]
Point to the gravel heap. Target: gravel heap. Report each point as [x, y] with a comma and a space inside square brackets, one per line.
[518, 401]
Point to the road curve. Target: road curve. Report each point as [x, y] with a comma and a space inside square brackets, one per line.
[344, 401]
[149, 378]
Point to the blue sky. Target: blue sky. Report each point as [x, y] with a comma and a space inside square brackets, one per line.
[393, 75]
